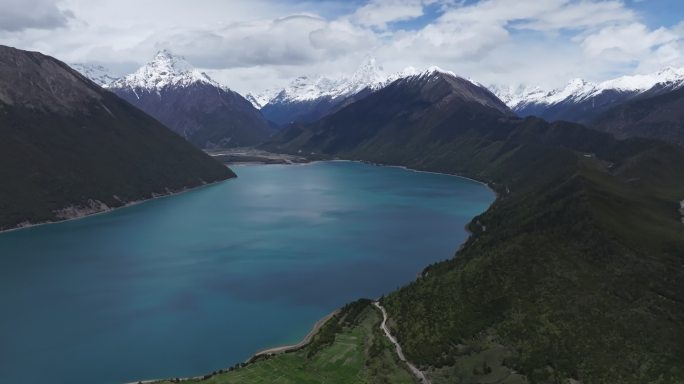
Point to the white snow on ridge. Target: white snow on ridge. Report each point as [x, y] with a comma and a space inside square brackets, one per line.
[369, 75]
[304, 88]
[165, 70]
[261, 99]
[577, 90]
[96, 73]
[668, 76]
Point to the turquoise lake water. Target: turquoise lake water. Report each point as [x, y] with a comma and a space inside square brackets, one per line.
[188, 284]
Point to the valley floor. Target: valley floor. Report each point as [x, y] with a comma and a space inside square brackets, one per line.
[254, 156]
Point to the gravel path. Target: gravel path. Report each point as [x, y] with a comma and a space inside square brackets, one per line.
[417, 372]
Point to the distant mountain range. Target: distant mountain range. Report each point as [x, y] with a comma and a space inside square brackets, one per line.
[304, 88]
[310, 98]
[618, 106]
[169, 89]
[582, 101]
[409, 113]
[70, 148]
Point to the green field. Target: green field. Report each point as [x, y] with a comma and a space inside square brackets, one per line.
[349, 348]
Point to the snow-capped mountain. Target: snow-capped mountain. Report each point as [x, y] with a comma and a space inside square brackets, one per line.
[309, 98]
[262, 98]
[304, 88]
[96, 73]
[581, 100]
[165, 70]
[420, 110]
[191, 104]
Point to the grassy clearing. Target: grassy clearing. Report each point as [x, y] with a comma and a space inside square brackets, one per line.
[349, 348]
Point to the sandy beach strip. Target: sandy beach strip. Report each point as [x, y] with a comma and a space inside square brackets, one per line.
[306, 340]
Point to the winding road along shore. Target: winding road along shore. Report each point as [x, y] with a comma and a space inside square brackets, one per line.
[417, 372]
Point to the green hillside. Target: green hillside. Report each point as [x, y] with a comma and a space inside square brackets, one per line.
[68, 147]
[575, 272]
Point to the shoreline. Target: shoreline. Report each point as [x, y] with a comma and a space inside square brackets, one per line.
[266, 352]
[485, 183]
[319, 323]
[112, 209]
[304, 342]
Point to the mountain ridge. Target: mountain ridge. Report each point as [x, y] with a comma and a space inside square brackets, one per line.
[657, 117]
[307, 99]
[71, 148]
[580, 100]
[98, 74]
[165, 70]
[193, 105]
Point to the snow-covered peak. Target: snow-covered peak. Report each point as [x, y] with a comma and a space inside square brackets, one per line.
[260, 99]
[435, 69]
[96, 73]
[411, 72]
[577, 90]
[668, 76]
[164, 70]
[368, 75]
[519, 95]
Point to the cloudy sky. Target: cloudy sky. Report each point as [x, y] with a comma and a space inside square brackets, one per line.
[251, 45]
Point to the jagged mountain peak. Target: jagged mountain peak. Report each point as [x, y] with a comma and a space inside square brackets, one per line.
[440, 84]
[307, 98]
[369, 71]
[432, 73]
[369, 74]
[437, 70]
[165, 60]
[166, 69]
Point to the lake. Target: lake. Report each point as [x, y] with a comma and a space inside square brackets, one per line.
[188, 284]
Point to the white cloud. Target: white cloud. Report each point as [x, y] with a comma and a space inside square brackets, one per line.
[626, 42]
[291, 40]
[577, 15]
[18, 15]
[377, 13]
[256, 44]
